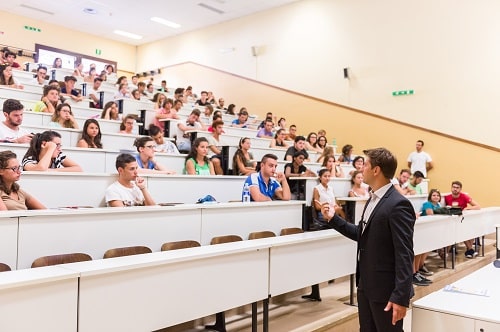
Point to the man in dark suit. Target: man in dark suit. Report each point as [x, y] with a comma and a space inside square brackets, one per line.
[384, 235]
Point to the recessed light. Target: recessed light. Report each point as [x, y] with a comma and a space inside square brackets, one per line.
[165, 22]
[90, 11]
[127, 34]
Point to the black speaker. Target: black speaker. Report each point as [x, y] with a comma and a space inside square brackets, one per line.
[346, 72]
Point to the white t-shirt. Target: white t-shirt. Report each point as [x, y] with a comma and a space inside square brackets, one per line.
[419, 161]
[7, 134]
[129, 196]
[182, 137]
[325, 194]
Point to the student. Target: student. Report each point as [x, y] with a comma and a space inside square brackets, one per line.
[215, 147]
[45, 154]
[243, 163]
[129, 189]
[267, 184]
[197, 162]
[63, 117]
[110, 111]
[146, 157]
[6, 77]
[127, 125]
[50, 100]
[10, 129]
[91, 135]
[162, 145]
[13, 197]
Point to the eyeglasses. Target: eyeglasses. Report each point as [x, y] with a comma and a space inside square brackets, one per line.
[150, 146]
[58, 145]
[15, 169]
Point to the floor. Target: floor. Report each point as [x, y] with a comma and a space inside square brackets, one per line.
[333, 313]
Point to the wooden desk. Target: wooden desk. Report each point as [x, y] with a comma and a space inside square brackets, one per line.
[41, 299]
[458, 312]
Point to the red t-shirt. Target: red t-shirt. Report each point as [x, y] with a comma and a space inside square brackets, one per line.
[462, 200]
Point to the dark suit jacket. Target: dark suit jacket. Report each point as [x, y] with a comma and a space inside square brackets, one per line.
[384, 269]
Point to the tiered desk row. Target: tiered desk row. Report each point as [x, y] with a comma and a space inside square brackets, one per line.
[152, 291]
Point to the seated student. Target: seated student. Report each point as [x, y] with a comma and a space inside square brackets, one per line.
[243, 163]
[127, 125]
[279, 140]
[165, 112]
[158, 100]
[162, 145]
[45, 154]
[91, 135]
[50, 100]
[197, 162]
[136, 94]
[13, 197]
[110, 111]
[207, 114]
[346, 156]
[63, 117]
[216, 116]
[10, 129]
[328, 151]
[333, 166]
[358, 163]
[311, 142]
[146, 157]
[6, 77]
[41, 75]
[242, 120]
[358, 189]
[298, 145]
[69, 89]
[297, 169]
[267, 184]
[57, 63]
[11, 60]
[419, 269]
[414, 184]
[78, 72]
[323, 194]
[230, 109]
[91, 76]
[129, 189]
[183, 138]
[401, 182]
[321, 143]
[291, 135]
[267, 131]
[123, 91]
[93, 93]
[215, 147]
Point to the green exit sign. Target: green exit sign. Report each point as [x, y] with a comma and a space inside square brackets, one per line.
[403, 93]
[27, 27]
[98, 51]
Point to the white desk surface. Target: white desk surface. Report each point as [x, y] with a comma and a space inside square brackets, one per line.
[162, 289]
[465, 305]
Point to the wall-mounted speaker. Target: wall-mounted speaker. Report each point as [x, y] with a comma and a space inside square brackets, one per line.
[255, 50]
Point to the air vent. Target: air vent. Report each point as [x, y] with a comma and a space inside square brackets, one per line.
[37, 9]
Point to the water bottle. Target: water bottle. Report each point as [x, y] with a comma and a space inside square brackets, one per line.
[246, 194]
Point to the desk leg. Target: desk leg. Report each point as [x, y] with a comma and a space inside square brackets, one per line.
[265, 315]
[453, 256]
[351, 291]
[254, 317]
[482, 243]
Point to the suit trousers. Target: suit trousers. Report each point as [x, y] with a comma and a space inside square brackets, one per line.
[373, 318]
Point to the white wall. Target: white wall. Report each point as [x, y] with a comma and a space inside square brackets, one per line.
[446, 51]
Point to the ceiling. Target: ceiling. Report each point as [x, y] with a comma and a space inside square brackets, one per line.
[134, 16]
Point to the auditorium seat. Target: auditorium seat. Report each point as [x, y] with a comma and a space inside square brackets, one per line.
[60, 259]
[126, 251]
[290, 231]
[260, 235]
[179, 245]
[4, 267]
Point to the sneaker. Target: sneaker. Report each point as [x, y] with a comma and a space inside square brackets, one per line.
[417, 280]
[429, 281]
[425, 272]
[470, 253]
